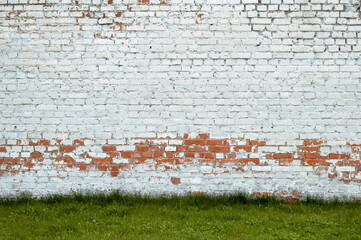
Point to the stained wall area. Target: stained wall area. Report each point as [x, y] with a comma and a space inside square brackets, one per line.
[176, 97]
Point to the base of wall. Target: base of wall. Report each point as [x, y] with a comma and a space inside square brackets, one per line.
[192, 163]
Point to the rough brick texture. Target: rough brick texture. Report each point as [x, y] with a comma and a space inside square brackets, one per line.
[100, 95]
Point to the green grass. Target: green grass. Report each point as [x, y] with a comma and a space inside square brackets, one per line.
[118, 216]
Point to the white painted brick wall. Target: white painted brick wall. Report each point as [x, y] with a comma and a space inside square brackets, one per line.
[280, 71]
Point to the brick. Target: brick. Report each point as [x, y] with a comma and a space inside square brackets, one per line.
[36, 155]
[216, 142]
[109, 148]
[282, 155]
[142, 148]
[102, 160]
[175, 181]
[194, 142]
[64, 148]
[242, 148]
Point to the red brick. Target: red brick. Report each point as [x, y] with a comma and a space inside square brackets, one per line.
[158, 154]
[12, 160]
[126, 154]
[108, 148]
[169, 154]
[285, 162]
[165, 160]
[125, 166]
[244, 148]
[281, 155]
[311, 155]
[143, 148]
[156, 148]
[175, 181]
[208, 161]
[345, 156]
[143, 2]
[114, 174]
[216, 142]
[147, 154]
[78, 142]
[195, 142]
[183, 161]
[82, 167]
[257, 143]
[102, 167]
[352, 162]
[181, 148]
[2, 149]
[209, 155]
[227, 161]
[136, 155]
[65, 148]
[204, 135]
[230, 155]
[102, 160]
[43, 142]
[219, 149]
[36, 155]
[333, 156]
[113, 154]
[332, 175]
[189, 154]
[312, 142]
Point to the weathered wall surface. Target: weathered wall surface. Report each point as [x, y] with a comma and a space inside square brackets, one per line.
[164, 97]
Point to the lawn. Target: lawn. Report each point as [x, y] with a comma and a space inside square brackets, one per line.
[119, 216]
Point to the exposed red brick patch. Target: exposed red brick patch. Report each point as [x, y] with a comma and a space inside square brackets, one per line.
[216, 142]
[257, 143]
[163, 155]
[118, 14]
[108, 148]
[175, 181]
[243, 148]
[219, 149]
[110, 1]
[282, 155]
[113, 154]
[65, 148]
[194, 142]
[204, 135]
[102, 160]
[102, 167]
[143, 2]
[36, 155]
[143, 148]
[309, 142]
[78, 142]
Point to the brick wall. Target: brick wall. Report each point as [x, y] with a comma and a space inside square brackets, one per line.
[175, 97]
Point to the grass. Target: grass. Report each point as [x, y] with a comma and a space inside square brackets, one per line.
[118, 216]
